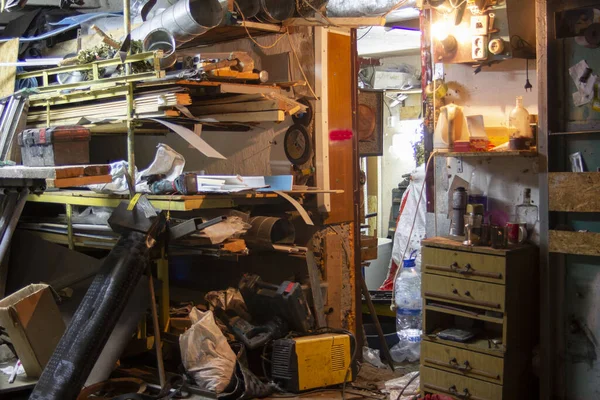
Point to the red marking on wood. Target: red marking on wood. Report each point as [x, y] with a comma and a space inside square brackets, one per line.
[339, 135]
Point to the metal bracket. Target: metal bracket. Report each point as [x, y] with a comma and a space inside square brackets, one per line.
[459, 165]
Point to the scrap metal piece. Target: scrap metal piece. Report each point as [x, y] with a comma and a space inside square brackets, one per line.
[268, 231]
[185, 19]
[192, 225]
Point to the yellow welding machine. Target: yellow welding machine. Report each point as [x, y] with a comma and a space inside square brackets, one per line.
[309, 362]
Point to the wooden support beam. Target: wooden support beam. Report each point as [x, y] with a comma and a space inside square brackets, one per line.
[262, 116]
[333, 259]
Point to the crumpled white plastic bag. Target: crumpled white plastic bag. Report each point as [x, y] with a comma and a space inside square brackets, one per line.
[205, 353]
[166, 161]
[407, 217]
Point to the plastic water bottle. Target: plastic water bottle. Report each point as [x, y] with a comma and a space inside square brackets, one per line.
[409, 306]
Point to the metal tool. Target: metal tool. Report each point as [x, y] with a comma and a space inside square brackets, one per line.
[265, 301]
[252, 336]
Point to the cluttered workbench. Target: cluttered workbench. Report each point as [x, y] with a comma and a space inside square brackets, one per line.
[114, 239]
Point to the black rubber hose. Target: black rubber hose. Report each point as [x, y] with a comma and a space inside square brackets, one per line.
[94, 320]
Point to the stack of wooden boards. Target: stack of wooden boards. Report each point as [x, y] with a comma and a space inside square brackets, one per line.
[153, 104]
[61, 177]
[210, 102]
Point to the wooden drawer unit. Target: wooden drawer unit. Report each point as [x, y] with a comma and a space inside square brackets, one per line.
[458, 386]
[492, 292]
[463, 362]
[459, 264]
[462, 291]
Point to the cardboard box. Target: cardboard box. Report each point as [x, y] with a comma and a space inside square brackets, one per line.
[33, 322]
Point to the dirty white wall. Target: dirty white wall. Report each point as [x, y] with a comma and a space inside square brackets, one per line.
[490, 93]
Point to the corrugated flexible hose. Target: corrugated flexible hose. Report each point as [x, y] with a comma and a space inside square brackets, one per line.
[94, 320]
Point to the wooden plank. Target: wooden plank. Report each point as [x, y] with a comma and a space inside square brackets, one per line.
[59, 172]
[265, 105]
[263, 116]
[368, 248]
[229, 99]
[333, 263]
[9, 52]
[79, 181]
[83, 170]
[336, 21]
[582, 243]
[340, 84]
[314, 274]
[574, 191]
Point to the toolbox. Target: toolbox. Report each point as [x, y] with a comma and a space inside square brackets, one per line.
[64, 145]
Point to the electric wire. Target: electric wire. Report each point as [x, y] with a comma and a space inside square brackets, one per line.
[365, 34]
[248, 31]
[394, 8]
[407, 385]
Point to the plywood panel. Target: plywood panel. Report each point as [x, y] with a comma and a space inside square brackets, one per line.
[574, 192]
[334, 263]
[340, 84]
[565, 242]
[9, 52]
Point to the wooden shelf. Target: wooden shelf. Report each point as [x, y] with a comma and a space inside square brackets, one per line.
[173, 203]
[512, 153]
[576, 243]
[574, 191]
[352, 22]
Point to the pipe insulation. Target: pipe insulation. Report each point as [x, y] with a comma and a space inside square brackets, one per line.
[185, 19]
[94, 320]
[361, 8]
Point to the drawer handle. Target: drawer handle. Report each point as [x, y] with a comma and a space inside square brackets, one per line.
[466, 301]
[468, 270]
[453, 391]
[466, 368]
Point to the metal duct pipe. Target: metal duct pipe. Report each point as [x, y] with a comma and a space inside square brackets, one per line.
[267, 231]
[185, 20]
[361, 8]
[162, 39]
[275, 11]
[248, 7]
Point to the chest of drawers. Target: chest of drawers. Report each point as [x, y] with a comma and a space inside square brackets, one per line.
[491, 293]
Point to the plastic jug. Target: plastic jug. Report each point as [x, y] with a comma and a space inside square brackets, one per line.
[451, 127]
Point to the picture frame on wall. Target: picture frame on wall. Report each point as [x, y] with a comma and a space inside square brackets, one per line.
[370, 122]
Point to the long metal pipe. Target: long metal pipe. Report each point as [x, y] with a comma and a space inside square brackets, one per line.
[185, 19]
[8, 233]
